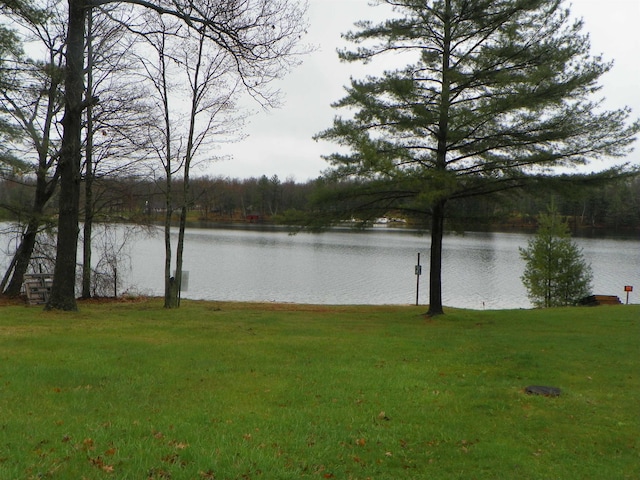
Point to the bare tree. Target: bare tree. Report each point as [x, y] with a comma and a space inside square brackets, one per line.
[195, 115]
[260, 36]
[113, 143]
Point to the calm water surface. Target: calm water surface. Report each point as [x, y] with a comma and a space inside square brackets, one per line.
[480, 270]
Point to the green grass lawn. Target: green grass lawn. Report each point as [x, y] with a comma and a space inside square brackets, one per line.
[251, 391]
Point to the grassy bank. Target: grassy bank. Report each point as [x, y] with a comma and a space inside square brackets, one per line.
[247, 391]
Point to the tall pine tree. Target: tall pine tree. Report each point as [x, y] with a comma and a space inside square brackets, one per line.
[493, 94]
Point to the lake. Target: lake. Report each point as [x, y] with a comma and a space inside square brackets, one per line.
[480, 270]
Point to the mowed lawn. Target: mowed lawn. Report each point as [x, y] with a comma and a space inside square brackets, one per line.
[272, 391]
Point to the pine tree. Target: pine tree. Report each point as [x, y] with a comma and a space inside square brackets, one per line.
[494, 95]
[556, 273]
[9, 46]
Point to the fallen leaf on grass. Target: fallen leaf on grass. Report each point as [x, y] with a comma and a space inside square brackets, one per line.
[178, 445]
[157, 473]
[465, 445]
[171, 458]
[98, 462]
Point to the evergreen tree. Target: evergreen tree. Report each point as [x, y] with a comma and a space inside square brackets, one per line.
[9, 46]
[494, 95]
[555, 273]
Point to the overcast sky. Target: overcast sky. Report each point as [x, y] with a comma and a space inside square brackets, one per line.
[280, 143]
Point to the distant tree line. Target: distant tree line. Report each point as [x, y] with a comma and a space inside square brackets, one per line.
[612, 207]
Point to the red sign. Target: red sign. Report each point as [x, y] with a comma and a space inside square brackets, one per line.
[628, 288]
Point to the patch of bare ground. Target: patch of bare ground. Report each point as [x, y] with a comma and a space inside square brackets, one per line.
[302, 307]
[9, 301]
[109, 300]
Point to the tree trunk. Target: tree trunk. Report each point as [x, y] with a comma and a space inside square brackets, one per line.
[179, 255]
[177, 287]
[64, 274]
[9, 271]
[87, 233]
[88, 177]
[169, 281]
[21, 260]
[437, 222]
[435, 267]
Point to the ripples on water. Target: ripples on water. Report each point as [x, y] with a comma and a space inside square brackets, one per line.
[480, 270]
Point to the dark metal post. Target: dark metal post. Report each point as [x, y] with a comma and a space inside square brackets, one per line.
[418, 272]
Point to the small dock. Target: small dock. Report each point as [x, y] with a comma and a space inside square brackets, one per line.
[37, 287]
[595, 300]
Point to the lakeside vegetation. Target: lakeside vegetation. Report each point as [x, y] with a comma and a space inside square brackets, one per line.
[614, 207]
[212, 390]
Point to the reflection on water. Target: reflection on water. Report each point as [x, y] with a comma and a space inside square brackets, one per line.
[480, 270]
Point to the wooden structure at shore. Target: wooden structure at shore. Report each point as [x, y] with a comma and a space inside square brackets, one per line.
[37, 287]
[595, 300]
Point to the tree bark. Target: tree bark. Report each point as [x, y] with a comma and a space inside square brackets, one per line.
[64, 274]
[437, 222]
[22, 258]
[435, 266]
[87, 233]
[169, 280]
[89, 175]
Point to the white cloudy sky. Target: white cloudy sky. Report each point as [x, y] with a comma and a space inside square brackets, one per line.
[280, 143]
